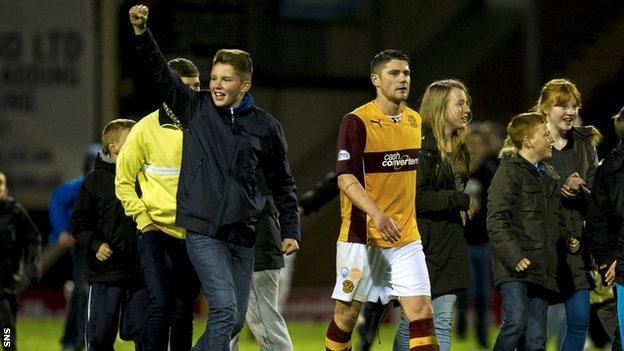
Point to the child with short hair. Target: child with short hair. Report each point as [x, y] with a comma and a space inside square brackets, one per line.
[20, 250]
[524, 228]
[116, 292]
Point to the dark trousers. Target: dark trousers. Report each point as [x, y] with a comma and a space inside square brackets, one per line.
[171, 289]
[480, 292]
[372, 313]
[75, 319]
[113, 308]
[8, 317]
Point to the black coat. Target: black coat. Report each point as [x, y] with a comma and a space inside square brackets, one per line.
[605, 215]
[268, 248]
[20, 246]
[226, 154]
[523, 221]
[99, 218]
[323, 192]
[438, 206]
[574, 268]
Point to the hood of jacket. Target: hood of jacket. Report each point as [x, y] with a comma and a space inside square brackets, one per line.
[103, 161]
[587, 133]
[6, 204]
[615, 161]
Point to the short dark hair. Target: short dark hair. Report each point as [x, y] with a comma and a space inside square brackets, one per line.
[239, 59]
[183, 67]
[386, 56]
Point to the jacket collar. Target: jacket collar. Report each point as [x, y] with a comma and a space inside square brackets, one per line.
[541, 170]
[166, 116]
[7, 203]
[615, 161]
[429, 142]
[245, 106]
[103, 161]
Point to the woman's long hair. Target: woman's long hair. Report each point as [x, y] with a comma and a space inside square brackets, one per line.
[433, 112]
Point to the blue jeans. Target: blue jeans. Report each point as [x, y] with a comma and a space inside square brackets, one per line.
[525, 310]
[171, 290]
[442, 320]
[616, 342]
[577, 316]
[620, 308]
[224, 271]
[76, 318]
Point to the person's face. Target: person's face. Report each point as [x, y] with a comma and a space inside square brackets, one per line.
[226, 86]
[562, 116]
[192, 82]
[541, 142]
[457, 110]
[115, 147]
[393, 82]
[4, 191]
[476, 144]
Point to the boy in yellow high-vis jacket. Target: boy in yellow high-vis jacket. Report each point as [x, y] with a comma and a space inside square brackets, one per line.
[152, 155]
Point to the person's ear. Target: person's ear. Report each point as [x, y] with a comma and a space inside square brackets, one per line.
[526, 142]
[246, 86]
[112, 148]
[375, 80]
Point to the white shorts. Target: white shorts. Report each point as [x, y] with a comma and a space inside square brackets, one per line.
[353, 276]
[367, 273]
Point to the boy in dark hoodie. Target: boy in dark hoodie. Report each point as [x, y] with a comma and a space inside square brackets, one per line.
[605, 219]
[109, 238]
[524, 229]
[20, 246]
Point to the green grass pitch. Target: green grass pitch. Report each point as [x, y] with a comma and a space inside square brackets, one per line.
[44, 333]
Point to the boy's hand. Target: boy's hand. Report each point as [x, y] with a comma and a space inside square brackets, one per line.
[104, 252]
[523, 264]
[289, 246]
[138, 18]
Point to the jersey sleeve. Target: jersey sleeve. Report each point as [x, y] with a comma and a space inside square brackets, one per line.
[351, 144]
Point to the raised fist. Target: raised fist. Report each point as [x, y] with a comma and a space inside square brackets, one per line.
[138, 18]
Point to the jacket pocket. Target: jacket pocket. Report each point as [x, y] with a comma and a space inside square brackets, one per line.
[532, 198]
[534, 251]
[191, 180]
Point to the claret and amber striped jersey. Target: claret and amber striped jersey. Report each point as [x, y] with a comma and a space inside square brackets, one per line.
[383, 156]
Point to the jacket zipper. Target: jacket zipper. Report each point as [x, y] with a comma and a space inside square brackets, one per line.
[232, 115]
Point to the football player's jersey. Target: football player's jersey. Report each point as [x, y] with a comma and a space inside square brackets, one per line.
[382, 155]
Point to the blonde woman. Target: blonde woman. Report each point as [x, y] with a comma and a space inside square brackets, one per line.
[441, 204]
